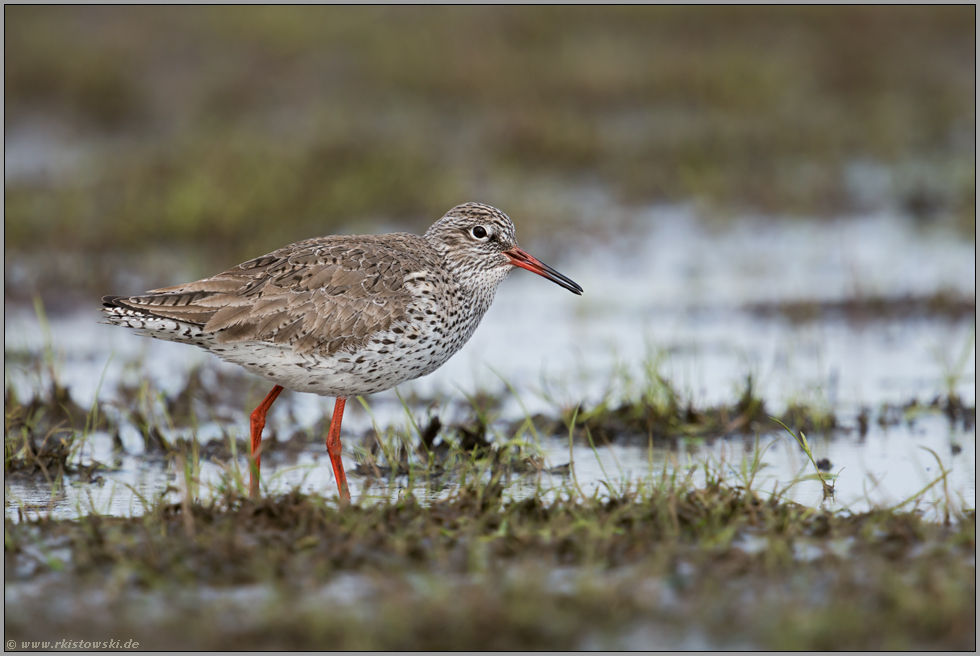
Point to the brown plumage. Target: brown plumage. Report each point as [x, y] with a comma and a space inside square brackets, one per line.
[343, 315]
[321, 295]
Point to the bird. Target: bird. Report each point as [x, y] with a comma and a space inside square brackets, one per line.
[342, 315]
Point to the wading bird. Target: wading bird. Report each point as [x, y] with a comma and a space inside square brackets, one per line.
[343, 315]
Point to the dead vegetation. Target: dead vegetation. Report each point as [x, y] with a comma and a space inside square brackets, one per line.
[460, 557]
[41, 435]
[659, 412]
[478, 571]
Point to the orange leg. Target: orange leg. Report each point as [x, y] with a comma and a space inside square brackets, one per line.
[258, 423]
[334, 448]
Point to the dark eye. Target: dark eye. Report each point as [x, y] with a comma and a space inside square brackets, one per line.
[479, 232]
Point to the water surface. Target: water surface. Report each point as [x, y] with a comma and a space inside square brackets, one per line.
[674, 291]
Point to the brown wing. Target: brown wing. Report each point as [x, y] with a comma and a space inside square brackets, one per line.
[326, 295]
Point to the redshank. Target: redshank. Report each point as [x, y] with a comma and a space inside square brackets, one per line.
[344, 315]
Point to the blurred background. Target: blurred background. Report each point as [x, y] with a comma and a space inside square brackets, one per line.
[784, 196]
[222, 133]
[772, 211]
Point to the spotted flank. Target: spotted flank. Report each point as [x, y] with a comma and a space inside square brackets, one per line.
[344, 315]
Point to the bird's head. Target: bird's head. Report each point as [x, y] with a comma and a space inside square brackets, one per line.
[478, 243]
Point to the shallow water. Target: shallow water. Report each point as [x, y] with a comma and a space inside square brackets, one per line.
[882, 469]
[674, 291]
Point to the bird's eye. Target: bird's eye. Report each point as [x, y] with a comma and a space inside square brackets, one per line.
[479, 232]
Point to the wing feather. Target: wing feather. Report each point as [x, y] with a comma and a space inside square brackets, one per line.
[321, 295]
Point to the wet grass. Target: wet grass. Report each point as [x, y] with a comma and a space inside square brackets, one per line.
[640, 420]
[40, 436]
[44, 433]
[455, 555]
[478, 570]
[247, 128]
[653, 409]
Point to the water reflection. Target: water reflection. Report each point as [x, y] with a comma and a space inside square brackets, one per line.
[676, 291]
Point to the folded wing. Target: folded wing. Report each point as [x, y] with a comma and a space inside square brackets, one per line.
[322, 295]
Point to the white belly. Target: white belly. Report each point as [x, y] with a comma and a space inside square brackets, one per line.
[374, 368]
